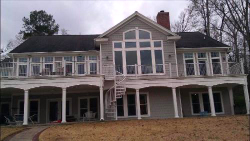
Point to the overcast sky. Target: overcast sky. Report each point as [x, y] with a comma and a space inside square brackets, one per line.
[82, 17]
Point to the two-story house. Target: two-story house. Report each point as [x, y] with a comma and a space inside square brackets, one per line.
[137, 69]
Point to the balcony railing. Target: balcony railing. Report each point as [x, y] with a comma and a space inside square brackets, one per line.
[52, 69]
[176, 70]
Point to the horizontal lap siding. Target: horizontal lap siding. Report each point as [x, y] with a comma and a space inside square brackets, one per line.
[169, 46]
[186, 105]
[180, 64]
[161, 102]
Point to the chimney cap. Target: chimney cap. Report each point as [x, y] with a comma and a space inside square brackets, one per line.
[162, 11]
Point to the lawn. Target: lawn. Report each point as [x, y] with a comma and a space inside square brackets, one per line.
[207, 128]
[9, 130]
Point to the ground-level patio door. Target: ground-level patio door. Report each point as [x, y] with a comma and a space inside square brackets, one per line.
[88, 104]
[54, 110]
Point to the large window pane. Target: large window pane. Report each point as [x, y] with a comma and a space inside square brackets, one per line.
[130, 44]
[144, 34]
[217, 102]
[69, 68]
[145, 44]
[190, 67]
[80, 68]
[93, 103]
[120, 109]
[83, 106]
[195, 103]
[131, 60]
[131, 105]
[35, 69]
[202, 67]
[216, 66]
[143, 104]
[130, 34]
[206, 103]
[93, 68]
[146, 61]
[22, 70]
[34, 111]
[48, 69]
[158, 61]
[118, 61]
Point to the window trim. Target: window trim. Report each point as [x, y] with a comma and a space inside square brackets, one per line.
[201, 102]
[125, 106]
[211, 63]
[184, 62]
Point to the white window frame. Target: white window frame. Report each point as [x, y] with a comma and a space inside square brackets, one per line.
[23, 64]
[125, 105]
[194, 62]
[81, 62]
[211, 64]
[202, 59]
[201, 102]
[138, 49]
[88, 99]
[45, 63]
[35, 64]
[93, 61]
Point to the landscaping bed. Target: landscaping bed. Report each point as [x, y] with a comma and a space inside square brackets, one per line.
[206, 128]
[9, 130]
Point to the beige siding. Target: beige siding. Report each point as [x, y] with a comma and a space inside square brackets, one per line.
[169, 46]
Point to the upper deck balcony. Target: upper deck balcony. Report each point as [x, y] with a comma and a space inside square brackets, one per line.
[173, 70]
[50, 67]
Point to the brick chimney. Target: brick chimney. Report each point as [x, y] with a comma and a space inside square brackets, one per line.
[163, 19]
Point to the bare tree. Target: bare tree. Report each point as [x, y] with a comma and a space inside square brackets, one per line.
[64, 31]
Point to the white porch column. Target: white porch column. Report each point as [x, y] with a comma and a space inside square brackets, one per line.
[63, 105]
[138, 103]
[26, 107]
[101, 104]
[231, 97]
[246, 98]
[211, 100]
[176, 115]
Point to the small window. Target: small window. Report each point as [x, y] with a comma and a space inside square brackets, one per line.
[130, 44]
[80, 58]
[144, 44]
[157, 43]
[188, 55]
[48, 59]
[215, 54]
[144, 34]
[130, 34]
[118, 45]
[68, 58]
[92, 57]
[35, 59]
[201, 55]
[22, 59]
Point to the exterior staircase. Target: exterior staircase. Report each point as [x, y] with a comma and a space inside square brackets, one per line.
[111, 96]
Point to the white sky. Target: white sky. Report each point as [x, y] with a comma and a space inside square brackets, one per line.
[82, 17]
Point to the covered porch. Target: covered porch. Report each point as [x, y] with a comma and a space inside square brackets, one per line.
[53, 102]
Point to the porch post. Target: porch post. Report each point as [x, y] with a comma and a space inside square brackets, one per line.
[63, 105]
[211, 100]
[246, 98]
[138, 103]
[26, 107]
[176, 115]
[101, 104]
[231, 97]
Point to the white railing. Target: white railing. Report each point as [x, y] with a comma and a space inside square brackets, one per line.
[176, 70]
[53, 69]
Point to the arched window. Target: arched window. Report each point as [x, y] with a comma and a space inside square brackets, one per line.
[144, 34]
[138, 53]
[130, 35]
